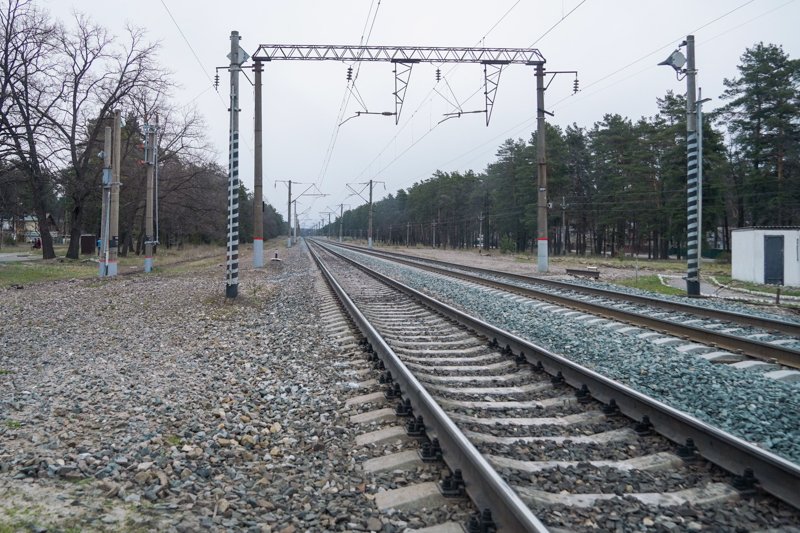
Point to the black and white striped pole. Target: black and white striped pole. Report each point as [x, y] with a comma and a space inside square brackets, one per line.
[676, 60]
[692, 256]
[237, 57]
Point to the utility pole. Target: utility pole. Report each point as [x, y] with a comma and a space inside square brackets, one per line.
[692, 256]
[480, 232]
[369, 234]
[366, 184]
[564, 225]
[541, 156]
[676, 60]
[341, 220]
[150, 141]
[105, 224]
[112, 247]
[433, 232]
[408, 233]
[289, 217]
[699, 104]
[258, 193]
[237, 57]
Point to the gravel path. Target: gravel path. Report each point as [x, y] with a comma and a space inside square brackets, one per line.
[151, 403]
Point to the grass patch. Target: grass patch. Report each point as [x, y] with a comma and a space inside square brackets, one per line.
[26, 273]
[4, 372]
[13, 424]
[174, 440]
[650, 283]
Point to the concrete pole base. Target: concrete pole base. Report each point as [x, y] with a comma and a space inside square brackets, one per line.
[692, 287]
[231, 291]
[148, 264]
[258, 253]
[542, 256]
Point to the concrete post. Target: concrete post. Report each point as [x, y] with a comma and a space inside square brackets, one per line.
[541, 156]
[258, 193]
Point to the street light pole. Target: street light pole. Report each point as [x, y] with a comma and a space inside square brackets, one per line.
[692, 255]
[676, 60]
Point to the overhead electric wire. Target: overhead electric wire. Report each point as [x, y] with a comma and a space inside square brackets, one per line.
[477, 91]
[202, 67]
[562, 19]
[348, 91]
[427, 98]
[524, 124]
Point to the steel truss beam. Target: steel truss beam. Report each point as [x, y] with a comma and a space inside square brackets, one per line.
[399, 54]
[402, 73]
[490, 82]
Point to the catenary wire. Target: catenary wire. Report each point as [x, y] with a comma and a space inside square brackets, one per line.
[514, 130]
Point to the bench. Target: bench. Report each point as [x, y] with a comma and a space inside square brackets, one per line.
[590, 272]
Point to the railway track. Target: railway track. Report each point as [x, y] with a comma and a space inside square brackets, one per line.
[536, 435]
[721, 336]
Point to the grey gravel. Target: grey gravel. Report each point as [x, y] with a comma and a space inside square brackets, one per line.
[151, 403]
[746, 404]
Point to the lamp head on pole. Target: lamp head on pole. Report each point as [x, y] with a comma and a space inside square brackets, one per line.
[676, 60]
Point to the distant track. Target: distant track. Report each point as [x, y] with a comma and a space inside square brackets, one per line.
[606, 303]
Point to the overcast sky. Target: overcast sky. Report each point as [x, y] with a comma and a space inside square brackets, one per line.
[613, 44]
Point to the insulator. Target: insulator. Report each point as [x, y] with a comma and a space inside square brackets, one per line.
[349, 73]
[575, 86]
[216, 81]
[438, 75]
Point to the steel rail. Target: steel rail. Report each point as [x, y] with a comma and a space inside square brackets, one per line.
[774, 474]
[751, 347]
[782, 326]
[483, 484]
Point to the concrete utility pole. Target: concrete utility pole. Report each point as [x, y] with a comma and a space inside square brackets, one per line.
[480, 232]
[692, 256]
[237, 57]
[105, 222]
[408, 232]
[111, 241]
[699, 105]
[150, 141]
[341, 220]
[369, 184]
[369, 236]
[541, 156]
[289, 217]
[258, 193]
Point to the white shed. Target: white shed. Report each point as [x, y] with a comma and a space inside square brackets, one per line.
[766, 255]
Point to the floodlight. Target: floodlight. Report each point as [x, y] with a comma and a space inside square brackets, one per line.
[675, 60]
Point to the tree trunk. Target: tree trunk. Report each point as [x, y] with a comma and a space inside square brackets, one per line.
[74, 250]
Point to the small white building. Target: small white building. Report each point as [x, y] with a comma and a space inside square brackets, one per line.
[766, 255]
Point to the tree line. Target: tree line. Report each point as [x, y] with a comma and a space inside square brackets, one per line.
[59, 86]
[620, 185]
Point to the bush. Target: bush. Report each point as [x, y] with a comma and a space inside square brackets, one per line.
[724, 258]
[507, 245]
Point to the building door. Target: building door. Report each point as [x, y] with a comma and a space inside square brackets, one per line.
[773, 259]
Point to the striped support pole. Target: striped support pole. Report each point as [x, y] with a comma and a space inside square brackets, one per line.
[692, 225]
[692, 276]
[237, 57]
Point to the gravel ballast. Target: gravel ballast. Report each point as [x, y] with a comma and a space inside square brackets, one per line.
[746, 404]
[151, 403]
